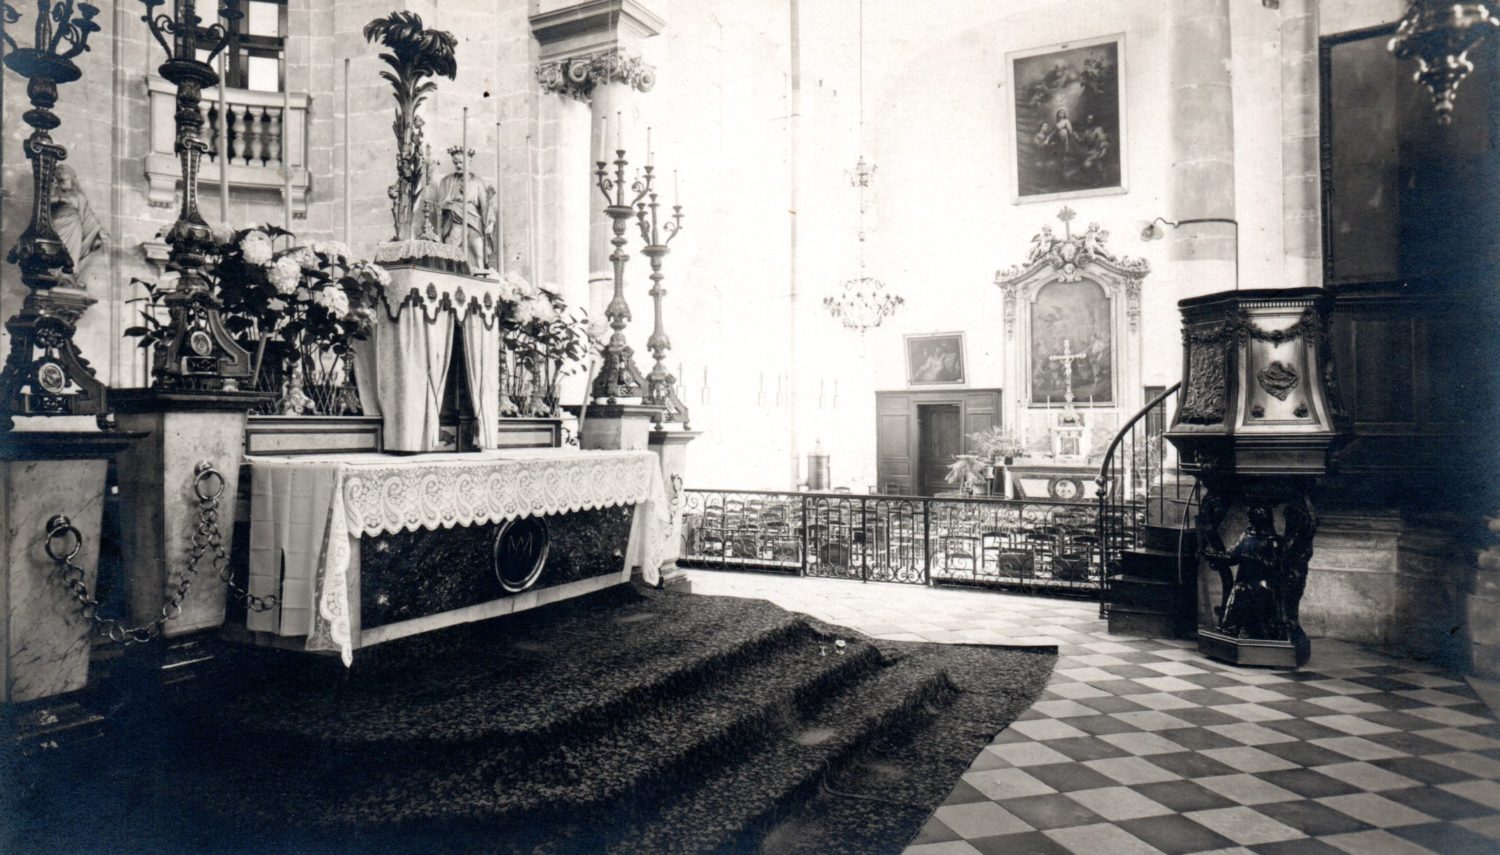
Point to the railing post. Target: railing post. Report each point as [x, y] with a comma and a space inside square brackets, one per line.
[806, 524]
[927, 542]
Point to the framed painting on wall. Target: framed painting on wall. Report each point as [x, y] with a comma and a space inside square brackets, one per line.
[937, 358]
[1068, 119]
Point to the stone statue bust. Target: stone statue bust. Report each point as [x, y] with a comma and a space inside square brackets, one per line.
[73, 218]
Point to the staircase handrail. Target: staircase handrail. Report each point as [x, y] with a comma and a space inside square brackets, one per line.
[1101, 481]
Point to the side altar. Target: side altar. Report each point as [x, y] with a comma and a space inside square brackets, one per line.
[1072, 355]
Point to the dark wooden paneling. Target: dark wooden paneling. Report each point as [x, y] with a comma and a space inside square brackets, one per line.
[897, 437]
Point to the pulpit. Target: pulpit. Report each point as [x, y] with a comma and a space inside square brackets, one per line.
[1260, 419]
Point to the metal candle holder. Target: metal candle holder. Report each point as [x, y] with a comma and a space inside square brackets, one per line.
[199, 353]
[618, 377]
[661, 386]
[44, 373]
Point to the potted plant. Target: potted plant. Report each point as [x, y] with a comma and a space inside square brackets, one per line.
[545, 340]
[968, 470]
[996, 445]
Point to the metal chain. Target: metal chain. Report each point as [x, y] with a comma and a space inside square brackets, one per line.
[206, 537]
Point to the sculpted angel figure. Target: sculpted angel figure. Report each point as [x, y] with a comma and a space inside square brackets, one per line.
[1041, 245]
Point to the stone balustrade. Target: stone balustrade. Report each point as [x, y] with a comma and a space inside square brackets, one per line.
[262, 143]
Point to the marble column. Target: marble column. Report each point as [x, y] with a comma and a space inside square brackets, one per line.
[1202, 147]
[1301, 177]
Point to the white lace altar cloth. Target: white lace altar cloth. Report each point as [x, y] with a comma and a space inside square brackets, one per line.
[307, 511]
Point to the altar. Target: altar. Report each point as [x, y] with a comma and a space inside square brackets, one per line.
[365, 548]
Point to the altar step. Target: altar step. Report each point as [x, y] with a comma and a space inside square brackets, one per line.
[611, 723]
[708, 749]
[1155, 592]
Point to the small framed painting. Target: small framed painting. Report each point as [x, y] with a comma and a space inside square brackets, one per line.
[935, 359]
[1068, 119]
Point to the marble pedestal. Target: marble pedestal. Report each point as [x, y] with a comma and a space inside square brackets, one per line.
[619, 427]
[45, 635]
[161, 511]
[671, 447]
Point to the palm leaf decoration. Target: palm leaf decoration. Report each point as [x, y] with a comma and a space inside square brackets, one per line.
[414, 54]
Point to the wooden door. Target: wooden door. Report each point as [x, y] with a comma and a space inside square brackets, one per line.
[941, 437]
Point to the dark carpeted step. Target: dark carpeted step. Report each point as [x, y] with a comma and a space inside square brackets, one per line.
[718, 812]
[471, 695]
[652, 750]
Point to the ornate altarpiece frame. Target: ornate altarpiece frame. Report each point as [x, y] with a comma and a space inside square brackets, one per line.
[1072, 258]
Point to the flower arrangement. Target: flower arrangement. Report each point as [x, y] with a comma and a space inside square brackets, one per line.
[545, 340]
[299, 309]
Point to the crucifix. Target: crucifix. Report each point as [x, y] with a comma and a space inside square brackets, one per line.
[1066, 359]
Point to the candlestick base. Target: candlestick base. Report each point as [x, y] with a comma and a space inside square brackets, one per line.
[618, 377]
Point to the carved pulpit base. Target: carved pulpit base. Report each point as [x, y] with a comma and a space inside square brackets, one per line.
[1255, 652]
[1261, 576]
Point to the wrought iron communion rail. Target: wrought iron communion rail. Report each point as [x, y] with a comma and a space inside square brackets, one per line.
[1033, 546]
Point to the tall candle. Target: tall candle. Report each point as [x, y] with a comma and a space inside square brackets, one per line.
[650, 154]
[348, 166]
[286, 137]
[463, 186]
[619, 131]
[500, 234]
[676, 190]
[223, 143]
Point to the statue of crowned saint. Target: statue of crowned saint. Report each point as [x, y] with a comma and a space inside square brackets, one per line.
[463, 207]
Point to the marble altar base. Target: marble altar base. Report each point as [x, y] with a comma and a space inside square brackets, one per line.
[671, 447]
[156, 486]
[45, 635]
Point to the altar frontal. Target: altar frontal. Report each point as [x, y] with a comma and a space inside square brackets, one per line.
[366, 548]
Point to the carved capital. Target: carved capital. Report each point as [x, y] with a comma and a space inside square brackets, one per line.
[577, 77]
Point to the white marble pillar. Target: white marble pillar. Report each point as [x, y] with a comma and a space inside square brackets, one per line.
[1202, 147]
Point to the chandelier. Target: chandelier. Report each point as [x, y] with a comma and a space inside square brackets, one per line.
[1438, 35]
[863, 301]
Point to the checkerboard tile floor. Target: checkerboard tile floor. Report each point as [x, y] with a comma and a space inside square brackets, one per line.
[1144, 746]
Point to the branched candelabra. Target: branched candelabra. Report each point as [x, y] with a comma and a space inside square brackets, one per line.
[661, 386]
[618, 377]
[44, 373]
[199, 353]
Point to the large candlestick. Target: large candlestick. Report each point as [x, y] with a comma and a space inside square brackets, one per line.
[44, 374]
[198, 353]
[661, 386]
[618, 377]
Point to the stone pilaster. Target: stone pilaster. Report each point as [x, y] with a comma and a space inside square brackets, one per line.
[1301, 201]
[590, 58]
[1202, 147]
[671, 447]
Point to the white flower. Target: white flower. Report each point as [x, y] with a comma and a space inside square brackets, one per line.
[256, 247]
[305, 257]
[524, 311]
[335, 249]
[333, 299]
[223, 233]
[371, 271]
[285, 274]
[512, 287]
[543, 309]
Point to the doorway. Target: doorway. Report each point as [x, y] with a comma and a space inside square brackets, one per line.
[939, 429]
